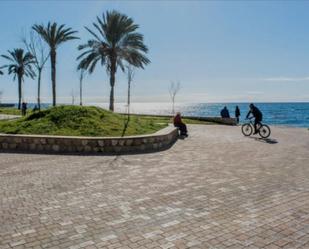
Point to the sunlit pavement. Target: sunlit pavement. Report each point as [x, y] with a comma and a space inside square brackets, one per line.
[7, 117]
[215, 189]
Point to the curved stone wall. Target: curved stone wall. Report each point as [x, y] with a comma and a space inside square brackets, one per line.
[106, 145]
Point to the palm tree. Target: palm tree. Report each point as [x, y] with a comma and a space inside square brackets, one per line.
[21, 65]
[115, 42]
[54, 36]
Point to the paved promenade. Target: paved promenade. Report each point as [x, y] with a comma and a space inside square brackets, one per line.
[6, 116]
[216, 189]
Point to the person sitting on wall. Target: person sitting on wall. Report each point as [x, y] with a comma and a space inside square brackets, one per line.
[180, 125]
[225, 113]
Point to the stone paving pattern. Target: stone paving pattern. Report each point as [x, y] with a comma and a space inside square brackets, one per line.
[6, 116]
[216, 189]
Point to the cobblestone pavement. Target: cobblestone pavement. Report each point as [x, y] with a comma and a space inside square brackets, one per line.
[216, 189]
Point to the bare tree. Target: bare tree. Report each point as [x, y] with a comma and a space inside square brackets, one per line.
[73, 96]
[130, 76]
[173, 90]
[81, 78]
[34, 45]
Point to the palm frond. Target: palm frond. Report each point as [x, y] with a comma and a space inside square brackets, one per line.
[115, 41]
[20, 63]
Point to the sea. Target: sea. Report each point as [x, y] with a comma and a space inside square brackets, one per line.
[281, 114]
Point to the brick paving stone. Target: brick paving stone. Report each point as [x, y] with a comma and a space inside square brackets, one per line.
[215, 189]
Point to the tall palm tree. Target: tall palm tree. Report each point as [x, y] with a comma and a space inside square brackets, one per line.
[115, 40]
[54, 36]
[21, 65]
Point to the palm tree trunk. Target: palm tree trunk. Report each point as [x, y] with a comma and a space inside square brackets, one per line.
[112, 83]
[19, 91]
[39, 88]
[53, 73]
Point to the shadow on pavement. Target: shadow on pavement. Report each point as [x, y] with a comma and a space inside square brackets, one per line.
[265, 140]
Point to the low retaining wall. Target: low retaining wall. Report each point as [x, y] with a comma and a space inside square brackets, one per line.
[107, 145]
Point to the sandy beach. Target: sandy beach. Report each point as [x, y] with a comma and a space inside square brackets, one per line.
[215, 189]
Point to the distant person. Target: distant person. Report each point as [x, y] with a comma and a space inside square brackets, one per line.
[225, 113]
[24, 108]
[35, 109]
[181, 126]
[237, 114]
[257, 114]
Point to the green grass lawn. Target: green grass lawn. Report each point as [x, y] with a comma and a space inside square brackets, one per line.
[10, 111]
[84, 121]
[169, 120]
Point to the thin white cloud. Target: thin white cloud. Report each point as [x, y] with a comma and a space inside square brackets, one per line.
[287, 79]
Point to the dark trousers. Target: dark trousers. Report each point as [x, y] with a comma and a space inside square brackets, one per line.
[182, 128]
[257, 122]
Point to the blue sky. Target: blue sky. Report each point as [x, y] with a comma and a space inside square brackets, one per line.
[220, 51]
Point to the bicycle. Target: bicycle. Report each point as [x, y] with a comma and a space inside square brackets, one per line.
[248, 128]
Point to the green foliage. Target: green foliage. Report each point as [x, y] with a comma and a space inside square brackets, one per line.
[9, 111]
[80, 121]
[54, 34]
[20, 63]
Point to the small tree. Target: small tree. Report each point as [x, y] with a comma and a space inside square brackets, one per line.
[81, 78]
[173, 90]
[1, 91]
[73, 96]
[35, 46]
[130, 76]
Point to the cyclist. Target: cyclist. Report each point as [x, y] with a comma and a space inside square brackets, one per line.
[257, 114]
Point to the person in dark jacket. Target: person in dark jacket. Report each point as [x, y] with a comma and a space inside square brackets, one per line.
[225, 113]
[182, 126]
[23, 108]
[237, 114]
[257, 114]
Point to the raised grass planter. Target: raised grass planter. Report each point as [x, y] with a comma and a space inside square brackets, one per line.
[103, 145]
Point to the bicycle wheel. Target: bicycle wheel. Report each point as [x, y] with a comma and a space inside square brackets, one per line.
[246, 129]
[264, 131]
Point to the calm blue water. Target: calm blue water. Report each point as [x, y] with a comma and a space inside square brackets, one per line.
[286, 114]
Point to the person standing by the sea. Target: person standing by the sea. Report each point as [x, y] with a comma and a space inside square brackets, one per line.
[237, 114]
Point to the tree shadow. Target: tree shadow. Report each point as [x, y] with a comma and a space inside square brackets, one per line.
[126, 124]
[265, 140]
